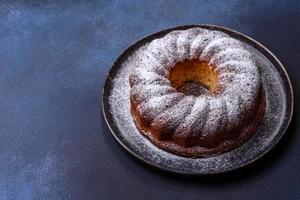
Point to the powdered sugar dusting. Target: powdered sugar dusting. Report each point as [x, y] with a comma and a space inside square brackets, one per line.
[215, 116]
[170, 119]
[241, 79]
[154, 106]
[234, 66]
[202, 40]
[142, 92]
[192, 121]
[143, 76]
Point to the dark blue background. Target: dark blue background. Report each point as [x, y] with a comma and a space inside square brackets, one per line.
[54, 57]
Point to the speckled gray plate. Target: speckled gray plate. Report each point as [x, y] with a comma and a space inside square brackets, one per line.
[279, 109]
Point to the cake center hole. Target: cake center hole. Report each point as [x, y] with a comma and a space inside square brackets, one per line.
[193, 77]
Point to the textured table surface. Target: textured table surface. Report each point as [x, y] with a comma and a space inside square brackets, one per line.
[54, 57]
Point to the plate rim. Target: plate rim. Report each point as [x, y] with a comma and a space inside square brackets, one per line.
[258, 46]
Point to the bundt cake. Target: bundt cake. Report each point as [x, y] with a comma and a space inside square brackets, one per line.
[196, 92]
